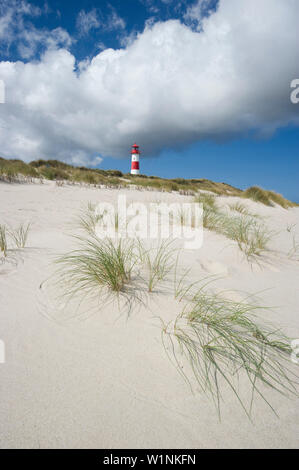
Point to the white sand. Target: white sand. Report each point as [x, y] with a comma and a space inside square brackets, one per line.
[104, 381]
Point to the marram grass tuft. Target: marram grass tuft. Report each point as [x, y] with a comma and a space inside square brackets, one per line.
[222, 340]
[3, 240]
[20, 235]
[97, 264]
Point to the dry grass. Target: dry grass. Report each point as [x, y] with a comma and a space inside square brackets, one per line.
[3, 240]
[258, 195]
[20, 235]
[268, 198]
[10, 171]
[290, 227]
[280, 200]
[208, 201]
[294, 251]
[239, 207]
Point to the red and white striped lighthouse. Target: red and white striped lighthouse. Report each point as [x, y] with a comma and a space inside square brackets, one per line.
[135, 160]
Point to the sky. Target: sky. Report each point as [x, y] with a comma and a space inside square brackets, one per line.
[203, 86]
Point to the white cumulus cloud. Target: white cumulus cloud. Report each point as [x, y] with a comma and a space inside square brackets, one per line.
[16, 28]
[87, 21]
[171, 85]
[198, 11]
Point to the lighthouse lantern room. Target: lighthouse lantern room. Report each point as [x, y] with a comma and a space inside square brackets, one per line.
[135, 160]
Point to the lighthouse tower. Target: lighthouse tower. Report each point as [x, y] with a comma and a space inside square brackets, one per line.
[135, 160]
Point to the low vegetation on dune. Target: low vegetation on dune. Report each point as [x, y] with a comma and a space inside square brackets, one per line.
[294, 251]
[212, 342]
[221, 341]
[103, 265]
[239, 207]
[12, 170]
[247, 230]
[208, 201]
[88, 219]
[13, 237]
[267, 197]
[20, 235]
[96, 265]
[55, 170]
[157, 262]
[3, 240]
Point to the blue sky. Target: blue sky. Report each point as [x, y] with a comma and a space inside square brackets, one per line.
[270, 163]
[202, 86]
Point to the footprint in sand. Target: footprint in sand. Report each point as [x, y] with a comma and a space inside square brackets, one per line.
[214, 267]
[230, 295]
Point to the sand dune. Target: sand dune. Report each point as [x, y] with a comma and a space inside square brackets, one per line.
[102, 379]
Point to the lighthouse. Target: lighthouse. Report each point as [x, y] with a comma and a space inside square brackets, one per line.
[135, 160]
